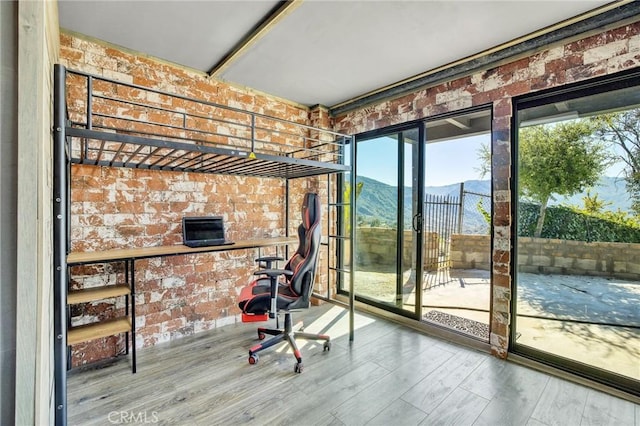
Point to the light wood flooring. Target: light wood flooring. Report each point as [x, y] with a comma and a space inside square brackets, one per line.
[389, 375]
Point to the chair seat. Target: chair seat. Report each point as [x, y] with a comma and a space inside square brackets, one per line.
[256, 299]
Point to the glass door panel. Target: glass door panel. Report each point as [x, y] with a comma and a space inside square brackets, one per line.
[377, 212]
[387, 214]
[457, 223]
[577, 279]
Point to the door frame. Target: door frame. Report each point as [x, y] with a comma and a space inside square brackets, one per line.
[416, 219]
[603, 84]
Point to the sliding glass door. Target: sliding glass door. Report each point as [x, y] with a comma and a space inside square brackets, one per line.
[388, 215]
[577, 279]
[423, 220]
[457, 223]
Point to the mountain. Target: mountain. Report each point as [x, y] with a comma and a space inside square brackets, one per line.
[611, 190]
[377, 203]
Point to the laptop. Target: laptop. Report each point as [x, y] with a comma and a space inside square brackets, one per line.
[203, 231]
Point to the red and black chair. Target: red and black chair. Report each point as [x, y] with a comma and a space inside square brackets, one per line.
[282, 290]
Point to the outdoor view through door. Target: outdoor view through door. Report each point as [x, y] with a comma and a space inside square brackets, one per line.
[577, 298]
[423, 209]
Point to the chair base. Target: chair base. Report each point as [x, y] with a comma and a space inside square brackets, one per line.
[289, 333]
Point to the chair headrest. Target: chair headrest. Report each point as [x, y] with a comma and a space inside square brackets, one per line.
[310, 210]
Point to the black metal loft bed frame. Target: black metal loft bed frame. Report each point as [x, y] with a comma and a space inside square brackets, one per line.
[103, 122]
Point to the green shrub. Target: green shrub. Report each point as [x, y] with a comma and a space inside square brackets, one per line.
[568, 223]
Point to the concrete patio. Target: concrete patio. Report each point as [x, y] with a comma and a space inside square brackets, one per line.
[592, 320]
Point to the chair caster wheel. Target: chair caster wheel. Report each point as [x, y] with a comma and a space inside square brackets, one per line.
[260, 336]
[326, 346]
[298, 368]
[253, 359]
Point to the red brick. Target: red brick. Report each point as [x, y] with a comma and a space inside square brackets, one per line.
[500, 280]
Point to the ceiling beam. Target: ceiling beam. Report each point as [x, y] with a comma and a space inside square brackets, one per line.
[283, 9]
[461, 123]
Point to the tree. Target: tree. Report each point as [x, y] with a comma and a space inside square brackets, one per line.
[347, 208]
[484, 160]
[592, 204]
[561, 158]
[622, 129]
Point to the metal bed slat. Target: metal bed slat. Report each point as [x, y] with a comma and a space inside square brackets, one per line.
[212, 159]
[133, 154]
[202, 158]
[100, 150]
[214, 166]
[118, 152]
[163, 158]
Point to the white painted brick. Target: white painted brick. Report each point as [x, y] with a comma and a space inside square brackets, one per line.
[172, 282]
[492, 83]
[503, 196]
[554, 53]
[634, 43]
[156, 296]
[460, 103]
[501, 238]
[117, 76]
[185, 186]
[118, 219]
[165, 328]
[141, 321]
[623, 62]
[100, 231]
[478, 81]
[536, 69]
[601, 53]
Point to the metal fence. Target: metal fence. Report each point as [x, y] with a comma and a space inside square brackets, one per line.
[468, 213]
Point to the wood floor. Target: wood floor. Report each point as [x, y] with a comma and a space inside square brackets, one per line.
[390, 375]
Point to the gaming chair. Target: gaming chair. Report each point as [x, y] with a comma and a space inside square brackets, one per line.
[269, 295]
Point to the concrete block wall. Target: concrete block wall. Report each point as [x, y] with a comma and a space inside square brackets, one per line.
[594, 55]
[604, 259]
[377, 247]
[470, 251]
[119, 208]
[553, 256]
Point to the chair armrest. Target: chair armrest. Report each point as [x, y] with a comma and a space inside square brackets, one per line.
[268, 260]
[273, 272]
[273, 275]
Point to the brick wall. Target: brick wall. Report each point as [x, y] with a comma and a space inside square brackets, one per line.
[605, 53]
[118, 207]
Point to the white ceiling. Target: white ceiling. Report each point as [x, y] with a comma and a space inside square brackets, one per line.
[319, 51]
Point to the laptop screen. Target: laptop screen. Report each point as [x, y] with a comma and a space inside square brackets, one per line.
[203, 230]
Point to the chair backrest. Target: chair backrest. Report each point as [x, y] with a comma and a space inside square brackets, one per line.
[305, 260]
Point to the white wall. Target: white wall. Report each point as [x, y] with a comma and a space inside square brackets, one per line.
[38, 48]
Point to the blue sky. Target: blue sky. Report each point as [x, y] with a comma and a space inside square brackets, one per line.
[447, 162]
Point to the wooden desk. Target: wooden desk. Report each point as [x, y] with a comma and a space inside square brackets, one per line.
[80, 258]
[128, 257]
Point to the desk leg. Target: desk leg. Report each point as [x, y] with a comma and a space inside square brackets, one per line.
[133, 316]
[127, 299]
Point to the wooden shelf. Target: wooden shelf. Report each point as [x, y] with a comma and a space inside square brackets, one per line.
[98, 293]
[88, 332]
